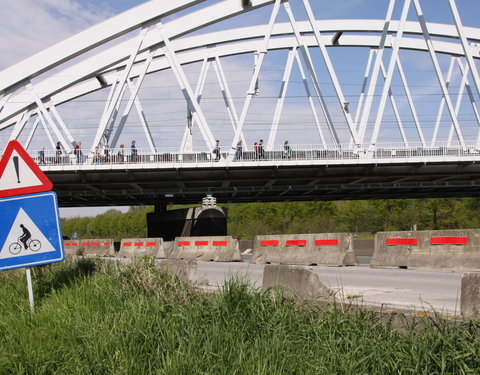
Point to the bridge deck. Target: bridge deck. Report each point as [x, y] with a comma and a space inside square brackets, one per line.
[303, 175]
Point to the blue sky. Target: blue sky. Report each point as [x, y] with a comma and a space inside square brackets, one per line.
[28, 26]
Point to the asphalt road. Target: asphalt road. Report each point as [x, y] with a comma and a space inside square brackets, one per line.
[417, 290]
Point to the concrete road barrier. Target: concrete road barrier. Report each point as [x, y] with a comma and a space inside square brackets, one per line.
[439, 250]
[141, 247]
[214, 249]
[301, 281]
[329, 249]
[470, 294]
[363, 246]
[185, 270]
[97, 248]
[72, 248]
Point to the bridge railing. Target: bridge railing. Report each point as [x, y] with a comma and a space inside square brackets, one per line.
[293, 153]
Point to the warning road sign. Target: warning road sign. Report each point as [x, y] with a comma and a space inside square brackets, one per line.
[19, 174]
[30, 232]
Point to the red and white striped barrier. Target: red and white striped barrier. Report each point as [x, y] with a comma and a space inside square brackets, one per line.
[141, 247]
[448, 249]
[332, 249]
[213, 249]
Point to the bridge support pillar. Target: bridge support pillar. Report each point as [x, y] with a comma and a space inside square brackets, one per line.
[198, 221]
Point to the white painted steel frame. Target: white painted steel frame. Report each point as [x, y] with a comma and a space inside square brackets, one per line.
[438, 71]
[61, 86]
[146, 58]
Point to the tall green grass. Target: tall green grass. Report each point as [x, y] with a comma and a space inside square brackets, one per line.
[103, 318]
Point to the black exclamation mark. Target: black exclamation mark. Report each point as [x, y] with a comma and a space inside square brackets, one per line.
[17, 169]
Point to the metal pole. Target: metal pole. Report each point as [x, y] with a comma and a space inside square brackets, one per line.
[30, 290]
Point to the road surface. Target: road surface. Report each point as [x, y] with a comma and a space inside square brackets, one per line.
[418, 290]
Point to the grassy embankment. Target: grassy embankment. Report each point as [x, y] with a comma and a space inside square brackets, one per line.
[97, 318]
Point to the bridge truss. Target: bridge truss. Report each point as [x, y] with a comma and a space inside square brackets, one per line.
[178, 75]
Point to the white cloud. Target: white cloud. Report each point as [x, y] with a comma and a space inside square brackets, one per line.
[29, 26]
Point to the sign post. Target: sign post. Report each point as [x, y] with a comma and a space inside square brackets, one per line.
[30, 230]
[30, 289]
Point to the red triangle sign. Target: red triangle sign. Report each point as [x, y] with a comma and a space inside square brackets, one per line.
[19, 174]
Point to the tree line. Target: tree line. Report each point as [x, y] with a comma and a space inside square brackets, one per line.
[246, 220]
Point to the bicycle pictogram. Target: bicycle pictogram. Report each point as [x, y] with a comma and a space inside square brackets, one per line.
[16, 247]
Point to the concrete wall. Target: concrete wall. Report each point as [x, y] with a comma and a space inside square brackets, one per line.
[363, 246]
[214, 249]
[470, 294]
[447, 250]
[96, 248]
[141, 247]
[245, 245]
[301, 281]
[71, 248]
[331, 249]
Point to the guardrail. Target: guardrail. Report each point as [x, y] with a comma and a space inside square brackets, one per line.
[107, 156]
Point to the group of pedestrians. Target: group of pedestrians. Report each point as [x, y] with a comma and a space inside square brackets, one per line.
[100, 154]
[258, 150]
[104, 155]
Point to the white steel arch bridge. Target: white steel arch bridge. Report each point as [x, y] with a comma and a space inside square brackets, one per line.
[371, 108]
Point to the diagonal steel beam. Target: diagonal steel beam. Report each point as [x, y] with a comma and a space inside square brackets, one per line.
[187, 90]
[32, 132]
[227, 97]
[311, 101]
[331, 71]
[376, 67]
[465, 45]
[442, 103]
[256, 71]
[187, 141]
[313, 75]
[134, 89]
[112, 105]
[390, 71]
[438, 71]
[281, 98]
[43, 111]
